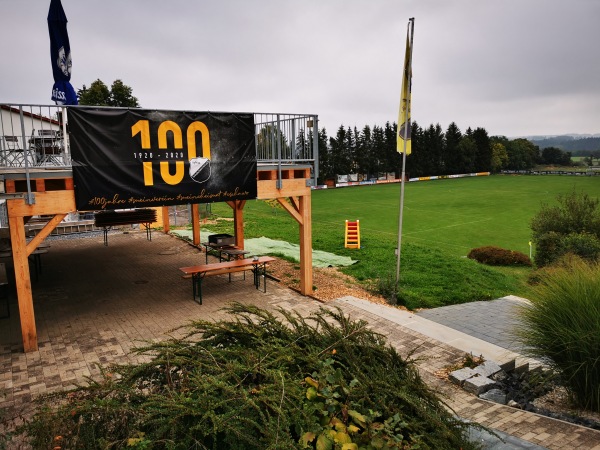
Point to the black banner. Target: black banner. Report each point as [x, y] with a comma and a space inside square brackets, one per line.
[138, 158]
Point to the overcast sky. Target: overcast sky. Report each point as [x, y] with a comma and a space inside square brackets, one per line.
[513, 67]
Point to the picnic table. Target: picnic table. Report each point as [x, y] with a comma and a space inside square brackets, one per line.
[108, 219]
[257, 265]
[35, 257]
[226, 252]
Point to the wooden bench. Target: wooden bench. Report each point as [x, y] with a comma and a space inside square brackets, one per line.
[109, 219]
[258, 266]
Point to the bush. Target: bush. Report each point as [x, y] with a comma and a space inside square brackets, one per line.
[496, 256]
[584, 245]
[561, 326]
[256, 382]
[552, 246]
[571, 227]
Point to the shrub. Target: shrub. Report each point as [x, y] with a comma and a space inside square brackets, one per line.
[571, 227]
[496, 256]
[552, 246]
[257, 381]
[584, 245]
[561, 326]
[548, 248]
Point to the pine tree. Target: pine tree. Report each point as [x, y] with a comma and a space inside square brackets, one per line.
[451, 149]
[483, 160]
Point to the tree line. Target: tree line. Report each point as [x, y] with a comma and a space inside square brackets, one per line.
[372, 152]
[579, 146]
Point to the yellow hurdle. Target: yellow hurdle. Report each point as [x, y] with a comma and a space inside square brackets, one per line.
[352, 239]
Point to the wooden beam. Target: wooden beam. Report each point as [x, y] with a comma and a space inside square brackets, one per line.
[295, 202]
[40, 185]
[23, 283]
[306, 270]
[195, 224]
[294, 187]
[290, 209]
[46, 203]
[44, 232]
[9, 186]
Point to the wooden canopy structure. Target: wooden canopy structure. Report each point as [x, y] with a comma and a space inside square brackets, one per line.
[53, 196]
[36, 185]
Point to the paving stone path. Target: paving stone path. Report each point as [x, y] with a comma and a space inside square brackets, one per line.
[94, 303]
[493, 321]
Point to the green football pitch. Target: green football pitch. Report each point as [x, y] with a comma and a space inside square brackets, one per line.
[454, 215]
[442, 221]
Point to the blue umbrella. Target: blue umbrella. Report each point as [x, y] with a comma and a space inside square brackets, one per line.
[60, 55]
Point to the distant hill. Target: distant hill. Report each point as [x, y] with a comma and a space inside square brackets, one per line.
[577, 144]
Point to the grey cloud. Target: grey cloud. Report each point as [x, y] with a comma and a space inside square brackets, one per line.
[513, 67]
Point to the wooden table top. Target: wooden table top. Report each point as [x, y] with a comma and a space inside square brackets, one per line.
[227, 265]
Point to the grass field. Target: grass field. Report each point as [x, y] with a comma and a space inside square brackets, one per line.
[443, 220]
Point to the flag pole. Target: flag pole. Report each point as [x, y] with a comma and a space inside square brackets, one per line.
[407, 125]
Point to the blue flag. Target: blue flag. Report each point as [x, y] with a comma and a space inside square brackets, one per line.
[60, 55]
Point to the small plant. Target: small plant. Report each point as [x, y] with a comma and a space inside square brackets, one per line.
[468, 360]
[472, 361]
[340, 422]
[496, 256]
[386, 287]
[561, 326]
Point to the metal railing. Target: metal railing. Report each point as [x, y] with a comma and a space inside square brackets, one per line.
[36, 136]
[33, 136]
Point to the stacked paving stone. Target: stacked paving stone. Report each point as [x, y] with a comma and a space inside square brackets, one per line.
[479, 381]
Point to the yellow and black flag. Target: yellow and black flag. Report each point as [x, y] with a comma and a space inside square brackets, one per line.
[404, 124]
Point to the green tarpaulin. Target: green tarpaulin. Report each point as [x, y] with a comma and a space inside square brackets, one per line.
[266, 246]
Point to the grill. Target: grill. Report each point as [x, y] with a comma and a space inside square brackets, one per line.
[221, 239]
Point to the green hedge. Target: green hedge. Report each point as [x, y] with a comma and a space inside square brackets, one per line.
[496, 256]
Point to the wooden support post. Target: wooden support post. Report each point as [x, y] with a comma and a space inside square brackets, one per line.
[165, 219]
[238, 221]
[23, 283]
[195, 224]
[300, 209]
[58, 203]
[306, 270]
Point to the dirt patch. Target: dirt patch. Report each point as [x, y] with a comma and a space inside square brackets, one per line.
[558, 402]
[328, 283]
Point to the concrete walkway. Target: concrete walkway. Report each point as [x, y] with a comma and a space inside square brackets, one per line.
[94, 303]
[492, 321]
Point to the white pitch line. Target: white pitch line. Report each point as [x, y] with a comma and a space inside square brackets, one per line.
[448, 226]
